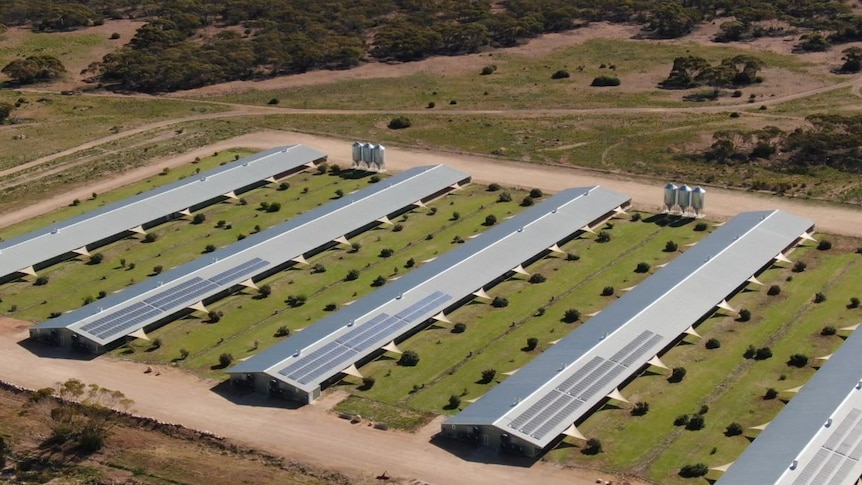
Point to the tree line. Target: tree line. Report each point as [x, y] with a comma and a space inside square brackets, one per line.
[273, 37]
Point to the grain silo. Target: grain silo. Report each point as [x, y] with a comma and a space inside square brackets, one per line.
[669, 197]
[683, 198]
[357, 153]
[698, 200]
[379, 157]
[367, 157]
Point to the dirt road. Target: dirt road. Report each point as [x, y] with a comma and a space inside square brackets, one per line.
[646, 194]
[308, 434]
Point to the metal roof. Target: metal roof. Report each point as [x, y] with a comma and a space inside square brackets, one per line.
[75, 233]
[817, 438]
[557, 388]
[308, 358]
[134, 308]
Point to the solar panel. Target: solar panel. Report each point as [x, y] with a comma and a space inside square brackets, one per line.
[303, 359]
[812, 467]
[113, 320]
[245, 269]
[111, 316]
[581, 386]
[419, 304]
[124, 325]
[641, 351]
[630, 347]
[600, 382]
[579, 374]
[336, 362]
[547, 413]
[531, 411]
[424, 309]
[558, 418]
[182, 297]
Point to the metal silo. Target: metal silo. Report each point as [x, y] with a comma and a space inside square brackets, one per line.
[357, 152]
[367, 157]
[380, 157]
[669, 197]
[683, 198]
[698, 200]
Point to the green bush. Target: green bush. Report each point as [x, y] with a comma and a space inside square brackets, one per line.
[681, 420]
[694, 471]
[712, 343]
[488, 70]
[695, 422]
[571, 315]
[537, 278]
[378, 282]
[607, 291]
[490, 220]
[819, 297]
[798, 360]
[593, 447]
[409, 359]
[352, 275]
[824, 245]
[671, 247]
[700, 226]
[799, 267]
[504, 196]
[561, 74]
[640, 409]
[773, 290]
[603, 237]
[399, 123]
[828, 330]
[493, 187]
[744, 315]
[605, 81]
[225, 360]
[854, 302]
[677, 374]
[642, 267]
[499, 302]
[282, 331]
[488, 376]
[770, 394]
[532, 343]
[454, 402]
[527, 202]
[536, 193]
[459, 328]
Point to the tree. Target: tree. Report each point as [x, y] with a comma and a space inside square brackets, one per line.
[852, 58]
[459, 328]
[410, 263]
[399, 123]
[640, 409]
[798, 360]
[677, 374]
[80, 413]
[854, 302]
[561, 74]
[694, 470]
[819, 297]
[97, 258]
[527, 201]
[157, 269]
[642, 267]
[264, 291]
[681, 420]
[770, 394]
[34, 69]
[367, 383]
[504, 196]
[499, 302]
[409, 359]
[490, 220]
[744, 315]
[282, 331]
[532, 343]
[607, 291]
[274, 207]
[214, 317]
[773, 290]
[386, 252]
[828, 330]
[712, 343]
[671, 247]
[296, 301]
[605, 81]
[671, 20]
[537, 278]
[571, 315]
[488, 376]
[824, 245]
[603, 237]
[225, 360]
[763, 353]
[199, 218]
[352, 275]
[5, 111]
[454, 402]
[379, 281]
[695, 422]
[536, 193]
[799, 267]
[593, 447]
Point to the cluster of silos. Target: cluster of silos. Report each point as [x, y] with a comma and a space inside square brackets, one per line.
[369, 156]
[684, 200]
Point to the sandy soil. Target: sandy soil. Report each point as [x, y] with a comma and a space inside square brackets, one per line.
[646, 194]
[308, 434]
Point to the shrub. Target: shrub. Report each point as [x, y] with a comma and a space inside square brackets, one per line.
[798, 360]
[352, 275]
[430, 105]
[493, 187]
[828, 330]
[671, 247]
[694, 471]
[283, 186]
[488, 70]
[799, 267]
[763, 353]
[273, 101]
[355, 247]
[41, 281]
[454, 402]
[399, 123]
[296, 301]
[532, 343]
[536, 193]
[750, 352]
[695, 422]
[607, 291]
[282, 331]
[604, 81]
[603, 237]
[733, 429]
[773, 290]
[713, 343]
[97, 258]
[157, 269]
[398, 227]
[102, 294]
[339, 193]
[703, 409]
[264, 291]
[386, 252]
[459, 328]
[594, 447]
[330, 307]
[571, 315]
[642, 267]
[561, 74]
[700, 226]
[537, 278]
[499, 302]
[378, 282]
[409, 359]
[488, 375]
[209, 248]
[770, 394]
[504, 196]
[214, 317]
[89, 299]
[367, 383]
[490, 220]
[681, 420]
[374, 179]
[636, 217]
[572, 257]
[744, 315]
[115, 36]
[677, 374]
[184, 354]
[318, 268]
[819, 297]
[527, 202]
[225, 360]
[640, 409]
[199, 218]
[455, 216]
[854, 302]
[410, 263]
[824, 245]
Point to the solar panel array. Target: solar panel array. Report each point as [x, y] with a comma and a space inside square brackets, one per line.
[557, 405]
[179, 296]
[347, 348]
[838, 456]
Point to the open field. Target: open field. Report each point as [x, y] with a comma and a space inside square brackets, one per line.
[494, 339]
